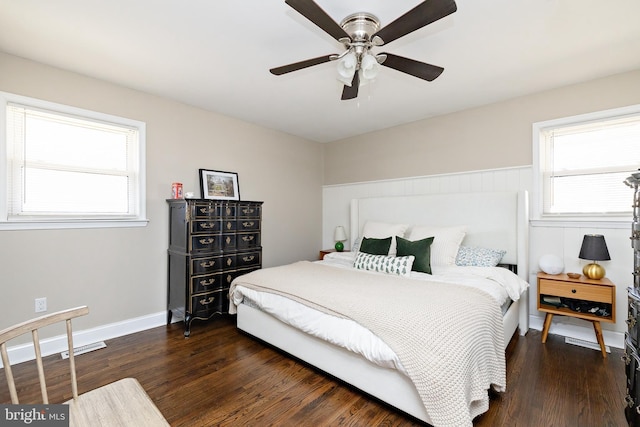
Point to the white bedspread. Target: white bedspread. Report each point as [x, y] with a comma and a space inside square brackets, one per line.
[476, 403]
[352, 336]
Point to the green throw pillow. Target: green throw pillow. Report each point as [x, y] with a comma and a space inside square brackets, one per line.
[421, 249]
[375, 246]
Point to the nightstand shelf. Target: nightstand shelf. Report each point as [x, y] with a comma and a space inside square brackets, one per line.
[582, 290]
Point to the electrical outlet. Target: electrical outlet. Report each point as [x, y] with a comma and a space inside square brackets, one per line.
[41, 304]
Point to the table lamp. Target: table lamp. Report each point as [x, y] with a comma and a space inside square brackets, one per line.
[594, 248]
[339, 236]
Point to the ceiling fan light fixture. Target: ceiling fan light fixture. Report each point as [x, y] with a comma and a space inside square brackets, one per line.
[369, 68]
[359, 33]
[347, 66]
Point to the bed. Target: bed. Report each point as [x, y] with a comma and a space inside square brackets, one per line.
[490, 220]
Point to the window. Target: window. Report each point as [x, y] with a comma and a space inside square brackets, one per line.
[67, 167]
[581, 163]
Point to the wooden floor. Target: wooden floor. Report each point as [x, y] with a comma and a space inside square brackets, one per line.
[220, 376]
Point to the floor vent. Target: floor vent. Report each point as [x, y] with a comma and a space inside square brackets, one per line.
[84, 349]
[587, 344]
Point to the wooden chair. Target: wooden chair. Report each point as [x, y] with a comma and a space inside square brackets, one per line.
[121, 403]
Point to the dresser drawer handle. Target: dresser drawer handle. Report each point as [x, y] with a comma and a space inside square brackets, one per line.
[247, 238]
[248, 258]
[229, 262]
[228, 240]
[206, 210]
[207, 301]
[207, 282]
[207, 264]
[573, 291]
[229, 278]
[248, 211]
[207, 241]
[625, 358]
[631, 321]
[207, 225]
[248, 224]
[229, 226]
[629, 401]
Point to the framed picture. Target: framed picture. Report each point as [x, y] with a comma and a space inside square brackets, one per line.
[219, 185]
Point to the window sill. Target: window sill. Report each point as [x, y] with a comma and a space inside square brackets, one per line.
[69, 224]
[592, 223]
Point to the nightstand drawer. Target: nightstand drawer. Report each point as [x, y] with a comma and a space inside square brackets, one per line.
[581, 291]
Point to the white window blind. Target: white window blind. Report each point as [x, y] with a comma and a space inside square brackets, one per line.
[63, 166]
[583, 166]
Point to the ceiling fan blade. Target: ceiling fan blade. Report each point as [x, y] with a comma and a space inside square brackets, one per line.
[351, 92]
[423, 14]
[278, 71]
[415, 68]
[314, 13]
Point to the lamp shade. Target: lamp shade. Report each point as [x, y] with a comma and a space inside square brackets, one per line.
[368, 68]
[594, 248]
[347, 66]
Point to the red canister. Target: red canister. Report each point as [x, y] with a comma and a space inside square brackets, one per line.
[176, 190]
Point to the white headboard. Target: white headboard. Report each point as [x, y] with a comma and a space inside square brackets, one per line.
[497, 220]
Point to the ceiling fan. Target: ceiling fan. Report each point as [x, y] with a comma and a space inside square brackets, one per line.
[359, 33]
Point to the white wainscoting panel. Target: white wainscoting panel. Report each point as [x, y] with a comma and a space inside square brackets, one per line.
[337, 198]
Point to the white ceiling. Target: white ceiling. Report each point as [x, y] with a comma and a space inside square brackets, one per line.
[215, 54]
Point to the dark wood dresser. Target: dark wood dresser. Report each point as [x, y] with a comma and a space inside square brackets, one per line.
[211, 242]
[632, 337]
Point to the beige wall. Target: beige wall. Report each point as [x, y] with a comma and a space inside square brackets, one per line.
[121, 273]
[488, 137]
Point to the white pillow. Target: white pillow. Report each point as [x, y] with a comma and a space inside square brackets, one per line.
[445, 244]
[400, 265]
[479, 257]
[382, 230]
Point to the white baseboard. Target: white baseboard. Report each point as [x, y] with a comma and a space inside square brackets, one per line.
[584, 333]
[23, 352]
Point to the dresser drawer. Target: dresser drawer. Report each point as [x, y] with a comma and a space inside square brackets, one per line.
[205, 265]
[206, 243]
[633, 317]
[229, 225]
[248, 224]
[248, 240]
[206, 226]
[630, 360]
[249, 210]
[207, 282]
[249, 259]
[579, 291]
[229, 242]
[228, 211]
[203, 210]
[229, 276]
[205, 305]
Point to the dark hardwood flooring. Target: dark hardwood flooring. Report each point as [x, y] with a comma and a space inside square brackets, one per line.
[219, 376]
